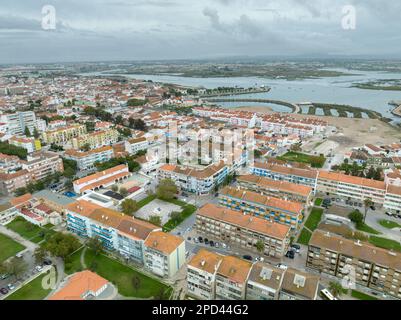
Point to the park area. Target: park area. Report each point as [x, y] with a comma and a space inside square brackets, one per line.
[28, 230]
[119, 274]
[8, 248]
[314, 161]
[31, 291]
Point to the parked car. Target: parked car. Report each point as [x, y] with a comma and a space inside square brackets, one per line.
[206, 241]
[282, 266]
[390, 214]
[196, 240]
[216, 244]
[4, 276]
[10, 286]
[290, 254]
[200, 239]
[296, 247]
[47, 262]
[224, 245]
[20, 254]
[189, 238]
[247, 257]
[39, 268]
[211, 243]
[4, 290]
[373, 208]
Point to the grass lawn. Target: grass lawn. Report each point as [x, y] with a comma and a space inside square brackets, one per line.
[30, 231]
[187, 211]
[389, 224]
[31, 291]
[318, 202]
[365, 228]
[24, 228]
[314, 161]
[361, 296]
[121, 276]
[146, 200]
[304, 237]
[9, 247]
[73, 262]
[385, 243]
[314, 219]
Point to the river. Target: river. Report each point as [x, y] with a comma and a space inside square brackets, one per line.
[336, 90]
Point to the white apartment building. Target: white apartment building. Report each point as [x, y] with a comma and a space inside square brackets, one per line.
[201, 276]
[43, 164]
[86, 160]
[17, 122]
[132, 146]
[164, 253]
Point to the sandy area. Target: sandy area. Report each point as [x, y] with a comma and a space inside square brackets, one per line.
[358, 132]
[352, 132]
[259, 109]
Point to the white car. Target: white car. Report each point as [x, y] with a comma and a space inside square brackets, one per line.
[10, 286]
[282, 266]
[224, 245]
[39, 268]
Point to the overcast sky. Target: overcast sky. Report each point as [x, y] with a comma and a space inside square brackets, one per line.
[90, 30]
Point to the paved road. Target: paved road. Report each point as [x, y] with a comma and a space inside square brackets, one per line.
[373, 218]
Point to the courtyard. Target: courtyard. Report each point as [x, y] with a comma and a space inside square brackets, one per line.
[159, 208]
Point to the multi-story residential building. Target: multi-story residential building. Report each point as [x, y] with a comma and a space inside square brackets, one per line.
[102, 179]
[244, 231]
[212, 275]
[392, 199]
[279, 189]
[351, 188]
[134, 145]
[164, 253]
[86, 160]
[10, 182]
[29, 144]
[116, 231]
[192, 180]
[201, 276]
[43, 164]
[302, 176]
[231, 278]
[264, 282]
[370, 266]
[96, 139]
[17, 122]
[299, 285]
[9, 163]
[63, 136]
[255, 204]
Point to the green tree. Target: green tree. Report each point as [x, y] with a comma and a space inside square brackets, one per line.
[367, 204]
[356, 217]
[61, 245]
[96, 245]
[335, 288]
[166, 190]
[16, 267]
[27, 132]
[257, 153]
[129, 206]
[124, 192]
[40, 255]
[114, 187]
[136, 283]
[260, 246]
[175, 216]
[69, 172]
[36, 133]
[156, 220]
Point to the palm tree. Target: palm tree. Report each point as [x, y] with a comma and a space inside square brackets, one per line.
[260, 246]
[367, 203]
[335, 288]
